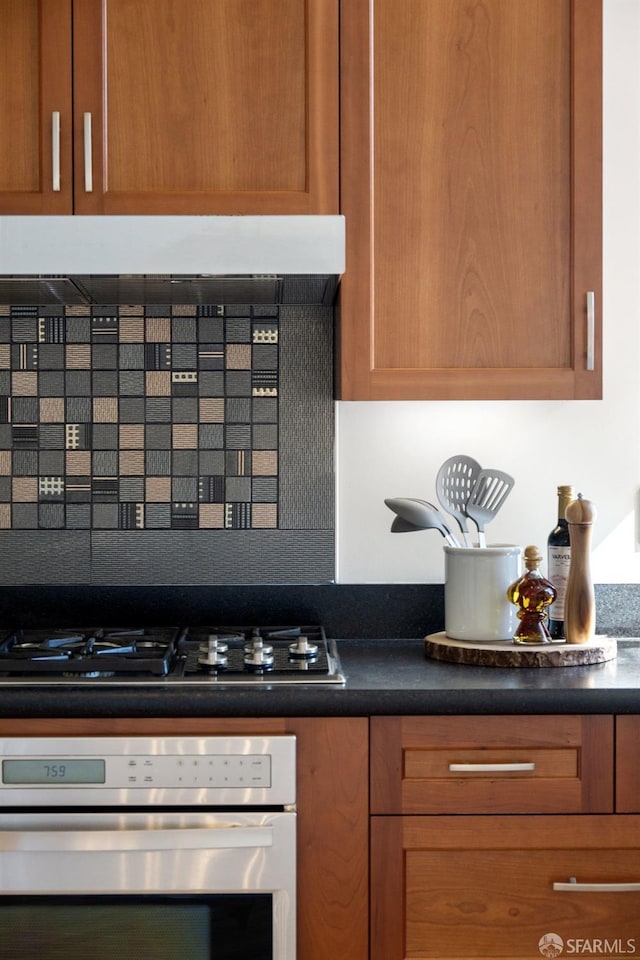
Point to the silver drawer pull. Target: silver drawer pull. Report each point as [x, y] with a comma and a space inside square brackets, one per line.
[55, 150]
[88, 151]
[572, 886]
[490, 767]
[591, 330]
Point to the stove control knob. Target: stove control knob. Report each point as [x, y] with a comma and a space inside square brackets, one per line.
[213, 653]
[302, 649]
[258, 655]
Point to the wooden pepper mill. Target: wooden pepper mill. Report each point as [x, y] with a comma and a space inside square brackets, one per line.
[580, 604]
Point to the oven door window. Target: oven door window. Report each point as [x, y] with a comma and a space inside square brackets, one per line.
[216, 927]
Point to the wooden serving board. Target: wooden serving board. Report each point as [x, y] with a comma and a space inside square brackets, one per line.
[438, 646]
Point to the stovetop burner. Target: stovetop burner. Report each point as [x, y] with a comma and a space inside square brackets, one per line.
[93, 650]
[189, 655]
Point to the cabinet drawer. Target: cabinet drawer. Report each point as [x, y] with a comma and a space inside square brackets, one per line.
[487, 887]
[561, 764]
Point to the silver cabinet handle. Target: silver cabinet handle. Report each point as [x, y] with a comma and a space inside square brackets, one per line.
[88, 151]
[490, 767]
[574, 887]
[591, 329]
[55, 150]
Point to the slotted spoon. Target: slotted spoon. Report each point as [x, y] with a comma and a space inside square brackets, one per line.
[454, 483]
[489, 493]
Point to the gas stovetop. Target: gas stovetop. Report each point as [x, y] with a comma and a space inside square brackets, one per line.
[187, 655]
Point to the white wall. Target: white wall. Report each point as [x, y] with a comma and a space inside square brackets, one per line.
[387, 449]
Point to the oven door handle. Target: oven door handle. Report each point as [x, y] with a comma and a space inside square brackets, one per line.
[229, 836]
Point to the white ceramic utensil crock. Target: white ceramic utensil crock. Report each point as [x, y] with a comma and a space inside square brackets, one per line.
[475, 592]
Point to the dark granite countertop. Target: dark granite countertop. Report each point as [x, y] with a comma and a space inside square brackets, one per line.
[383, 677]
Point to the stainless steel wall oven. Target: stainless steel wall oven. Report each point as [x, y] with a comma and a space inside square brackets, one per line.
[165, 848]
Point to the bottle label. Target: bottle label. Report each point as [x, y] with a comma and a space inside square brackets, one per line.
[559, 561]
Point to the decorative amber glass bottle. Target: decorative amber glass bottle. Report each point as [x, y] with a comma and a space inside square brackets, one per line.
[532, 594]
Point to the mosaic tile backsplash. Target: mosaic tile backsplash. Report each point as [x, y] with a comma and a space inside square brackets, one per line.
[200, 432]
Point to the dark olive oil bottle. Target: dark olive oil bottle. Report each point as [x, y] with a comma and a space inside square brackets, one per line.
[558, 562]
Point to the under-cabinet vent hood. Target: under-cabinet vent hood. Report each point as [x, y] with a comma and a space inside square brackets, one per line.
[126, 260]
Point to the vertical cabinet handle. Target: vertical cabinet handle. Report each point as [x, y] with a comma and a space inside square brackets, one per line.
[591, 329]
[88, 151]
[55, 150]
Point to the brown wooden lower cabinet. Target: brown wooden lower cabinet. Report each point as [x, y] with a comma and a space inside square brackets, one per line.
[332, 809]
[485, 887]
[451, 865]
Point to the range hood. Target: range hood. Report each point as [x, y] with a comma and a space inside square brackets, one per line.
[174, 259]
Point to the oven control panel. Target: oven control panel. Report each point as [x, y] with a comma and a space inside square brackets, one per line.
[237, 772]
[163, 770]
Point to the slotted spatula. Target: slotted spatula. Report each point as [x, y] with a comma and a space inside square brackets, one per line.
[454, 482]
[491, 489]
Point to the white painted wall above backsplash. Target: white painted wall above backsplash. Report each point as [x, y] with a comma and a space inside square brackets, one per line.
[387, 449]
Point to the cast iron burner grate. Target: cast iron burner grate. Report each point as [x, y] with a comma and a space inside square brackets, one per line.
[89, 651]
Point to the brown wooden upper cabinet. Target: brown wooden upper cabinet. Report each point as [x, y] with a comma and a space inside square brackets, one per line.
[471, 183]
[169, 106]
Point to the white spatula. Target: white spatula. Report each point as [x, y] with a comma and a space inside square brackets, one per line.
[490, 491]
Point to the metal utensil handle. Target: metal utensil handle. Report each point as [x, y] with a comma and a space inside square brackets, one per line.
[464, 529]
[490, 767]
[572, 886]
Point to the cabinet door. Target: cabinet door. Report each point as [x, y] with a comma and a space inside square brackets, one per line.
[471, 184]
[35, 80]
[487, 887]
[211, 106]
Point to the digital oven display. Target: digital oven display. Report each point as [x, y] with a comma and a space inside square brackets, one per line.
[53, 771]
